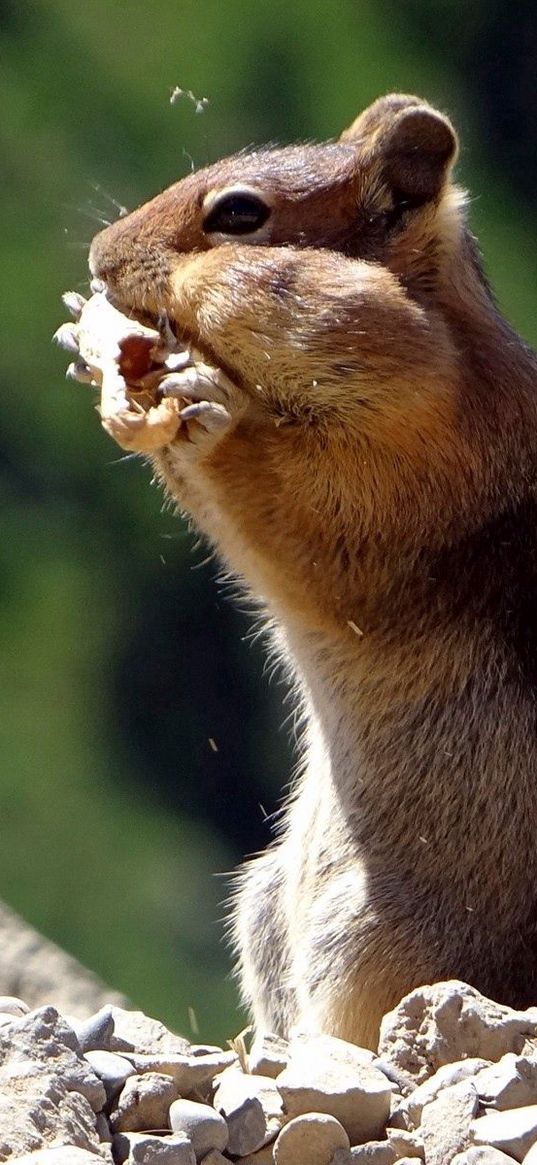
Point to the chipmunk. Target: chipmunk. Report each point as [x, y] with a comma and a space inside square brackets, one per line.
[360, 447]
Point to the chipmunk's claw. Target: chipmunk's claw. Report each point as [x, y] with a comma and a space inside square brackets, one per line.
[195, 380]
[166, 332]
[212, 417]
[80, 371]
[74, 302]
[67, 337]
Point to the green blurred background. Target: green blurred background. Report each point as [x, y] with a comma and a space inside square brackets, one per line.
[122, 658]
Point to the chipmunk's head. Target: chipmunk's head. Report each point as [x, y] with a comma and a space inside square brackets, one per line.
[380, 193]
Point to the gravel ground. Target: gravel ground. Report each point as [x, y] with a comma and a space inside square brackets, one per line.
[454, 1082]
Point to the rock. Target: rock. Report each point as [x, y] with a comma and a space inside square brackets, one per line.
[439, 1024]
[358, 1096]
[37, 1110]
[205, 1128]
[136, 1032]
[247, 1127]
[511, 1083]
[407, 1144]
[149, 1149]
[94, 1034]
[310, 1140]
[262, 1156]
[44, 1037]
[372, 1153]
[112, 1069]
[446, 1122]
[303, 1048]
[193, 1074]
[214, 1157]
[482, 1155]
[48, 1092]
[408, 1113]
[144, 1103]
[398, 1118]
[268, 1056]
[396, 1100]
[57, 1155]
[102, 1128]
[513, 1131]
[252, 1107]
[10, 1005]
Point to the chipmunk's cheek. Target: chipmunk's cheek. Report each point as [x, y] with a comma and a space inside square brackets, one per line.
[189, 285]
[208, 289]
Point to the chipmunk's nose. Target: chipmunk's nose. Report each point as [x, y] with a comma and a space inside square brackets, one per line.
[139, 246]
[133, 258]
[122, 243]
[108, 252]
[95, 257]
[127, 261]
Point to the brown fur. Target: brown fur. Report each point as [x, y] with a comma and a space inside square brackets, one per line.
[376, 491]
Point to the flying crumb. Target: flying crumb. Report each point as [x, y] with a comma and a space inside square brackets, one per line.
[193, 1021]
[200, 103]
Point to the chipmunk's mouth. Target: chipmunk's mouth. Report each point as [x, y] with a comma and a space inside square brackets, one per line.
[175, 336]
[159, 320]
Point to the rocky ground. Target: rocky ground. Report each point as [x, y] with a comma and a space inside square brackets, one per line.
[454, 1083]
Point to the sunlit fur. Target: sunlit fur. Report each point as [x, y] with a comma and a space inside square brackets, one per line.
[376, 493]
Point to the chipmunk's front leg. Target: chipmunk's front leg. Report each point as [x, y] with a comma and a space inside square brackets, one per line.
[210, 409]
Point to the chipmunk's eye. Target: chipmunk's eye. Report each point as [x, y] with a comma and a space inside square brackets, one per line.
[236, 212]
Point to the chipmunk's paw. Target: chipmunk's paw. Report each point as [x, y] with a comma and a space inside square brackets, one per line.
[152, 392]
[208, 402]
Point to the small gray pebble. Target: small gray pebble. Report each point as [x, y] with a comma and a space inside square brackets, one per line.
[372, 1153]
[205, 1128]
[144, 1103]
[94, 1034]
[112, 1069]
[148, 1149]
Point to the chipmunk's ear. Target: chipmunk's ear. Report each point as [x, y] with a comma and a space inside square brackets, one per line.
[411, 144]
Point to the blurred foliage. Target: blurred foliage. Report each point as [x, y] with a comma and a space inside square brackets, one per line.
[121, 660]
